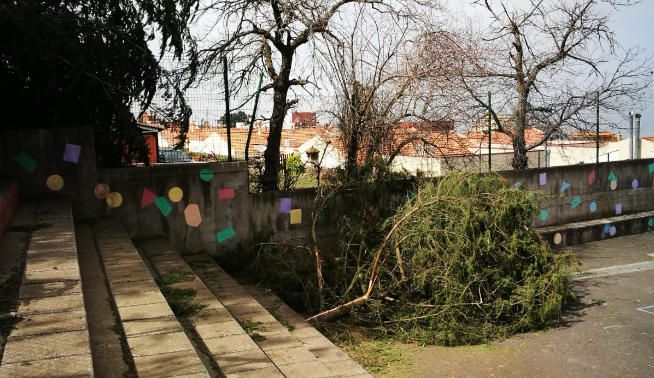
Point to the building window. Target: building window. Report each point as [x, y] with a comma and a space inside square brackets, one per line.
[313, 156]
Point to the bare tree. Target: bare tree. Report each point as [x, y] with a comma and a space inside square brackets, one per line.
[375, 84]
[548, 63]
[271, 34]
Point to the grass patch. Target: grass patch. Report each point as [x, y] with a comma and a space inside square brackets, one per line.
[253, 329]
[288, 325]
[182, 301]
[381, 357]
[174, 276]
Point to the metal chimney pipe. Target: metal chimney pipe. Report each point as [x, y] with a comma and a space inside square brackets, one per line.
[637, 136]
[631, 135]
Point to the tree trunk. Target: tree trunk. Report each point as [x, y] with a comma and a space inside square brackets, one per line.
[520, 160]
[352, 153]
[271, 156]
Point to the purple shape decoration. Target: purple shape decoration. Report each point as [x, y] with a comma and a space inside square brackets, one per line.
[285, 205]
[71, 153]
[612, 231]
[542, 179]
[618, 208]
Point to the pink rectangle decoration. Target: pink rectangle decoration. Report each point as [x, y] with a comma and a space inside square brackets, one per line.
[225, 194]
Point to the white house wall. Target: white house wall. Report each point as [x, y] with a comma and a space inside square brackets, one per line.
[431, 167]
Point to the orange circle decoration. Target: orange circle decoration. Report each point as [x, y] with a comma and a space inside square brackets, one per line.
[175, 194]
[613, 185]
[114, 199]
[101, 191]
[55, 183]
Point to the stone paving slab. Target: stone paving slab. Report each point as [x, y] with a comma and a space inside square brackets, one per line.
[52, 275]
[151, 326]
[64, 367]
[128, 276]
[148, 345]
[290, 356]
[311, 369]
[61, 303]
[48, 254]
[50, 323]
[49, 289]
[245, 360]
[35, 348]
[139, 298]
[210, 317]
[133, 286]
[221, 329]
[168, 365]
[122, 261]
[229, 344]
[124, 266]
[147, 311]
[51, 264]
[258, 373]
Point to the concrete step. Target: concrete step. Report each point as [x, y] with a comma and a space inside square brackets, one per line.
[224, 342]
[241, 339]
[293, 356]
[156, 341]
[597, 229]
[52, 336]
[320, 346]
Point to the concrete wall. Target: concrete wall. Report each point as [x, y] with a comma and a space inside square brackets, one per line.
[217, 214]
[46, 148]
[247, 214]
[557, 201]
[9, 193]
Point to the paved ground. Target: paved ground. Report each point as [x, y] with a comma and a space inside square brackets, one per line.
[606, 336]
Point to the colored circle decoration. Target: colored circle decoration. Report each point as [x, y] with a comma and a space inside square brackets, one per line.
[175, 194]
[206, 174]
[593, 207]
[558, 238]
[101, 191]
[544, 215]
[634, 184]
[114, 199]
[612, 231]
[55, 183]
[614, 184]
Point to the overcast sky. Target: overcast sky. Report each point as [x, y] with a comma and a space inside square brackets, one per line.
[633, 27]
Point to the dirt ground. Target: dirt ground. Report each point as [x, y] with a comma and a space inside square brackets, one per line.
[608, 334]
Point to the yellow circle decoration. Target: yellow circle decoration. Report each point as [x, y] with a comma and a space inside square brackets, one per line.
[558, 238]
[101, 191]
[175, 194]
[114, 199]
[55, 183]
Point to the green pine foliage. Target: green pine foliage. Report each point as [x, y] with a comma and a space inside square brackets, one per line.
[475, 269]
